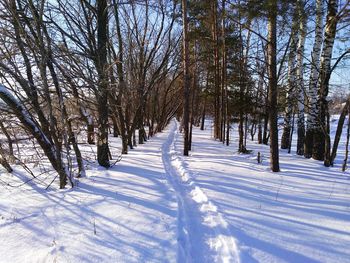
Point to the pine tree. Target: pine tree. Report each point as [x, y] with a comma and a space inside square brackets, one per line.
[186, 77]
[272, 96]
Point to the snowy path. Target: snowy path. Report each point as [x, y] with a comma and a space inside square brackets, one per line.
[203, 234]
[157, 206]
[301, 214]
[124, 214]
[145, 209]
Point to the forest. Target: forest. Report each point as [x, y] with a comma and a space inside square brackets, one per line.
[90, 87]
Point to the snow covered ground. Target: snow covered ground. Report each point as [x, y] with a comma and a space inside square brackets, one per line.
[157, 206]
[301, 214]
[124, 214]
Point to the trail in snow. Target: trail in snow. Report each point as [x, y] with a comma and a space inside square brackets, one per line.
[124, 214]
[298, 215]
[203, 234]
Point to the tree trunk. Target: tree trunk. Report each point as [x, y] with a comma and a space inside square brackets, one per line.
[241, 146]
[115, 126]
[8, 137]
[320, 134]
[203, 116]
[123, 120]
[272, 96]
[217, 94]
[193, 97]
[327, 152]
[186, 80]
[290, 97]
[345, 163]
[311, 121]
[73, 141]
[266, 119]
[291, 134]
[259, 132]
[223, 73]
[90, 131]
[300, 80]
[3, 160]
[338, 133]
[48, 147]
[102, 93]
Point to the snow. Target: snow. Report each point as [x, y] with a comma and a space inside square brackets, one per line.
[203, 234]
[125, 214]
[157, 206]
[301, 214]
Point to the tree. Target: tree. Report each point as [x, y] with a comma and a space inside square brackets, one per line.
[102, 91]
[321, 139]
[311, 121]
[32, 44]
[186, 77]
[216, 58]
[272, 96]
[51, 151]
[300, 80]
[292, 79]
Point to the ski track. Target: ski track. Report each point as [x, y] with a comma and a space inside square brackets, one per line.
[203, 234]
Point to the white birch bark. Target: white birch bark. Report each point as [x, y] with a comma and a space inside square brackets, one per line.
[321, 135]
[300, 79]
[314, 72]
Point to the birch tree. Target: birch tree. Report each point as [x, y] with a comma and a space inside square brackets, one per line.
[311, 121]
[300, 78]
[321, 133]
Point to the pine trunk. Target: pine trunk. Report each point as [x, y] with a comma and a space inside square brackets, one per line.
[217, 89]
[203, 116]
[272, 95]
[223, 73]
[186, 77]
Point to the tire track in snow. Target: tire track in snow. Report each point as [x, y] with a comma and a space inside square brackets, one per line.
[203, 234]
